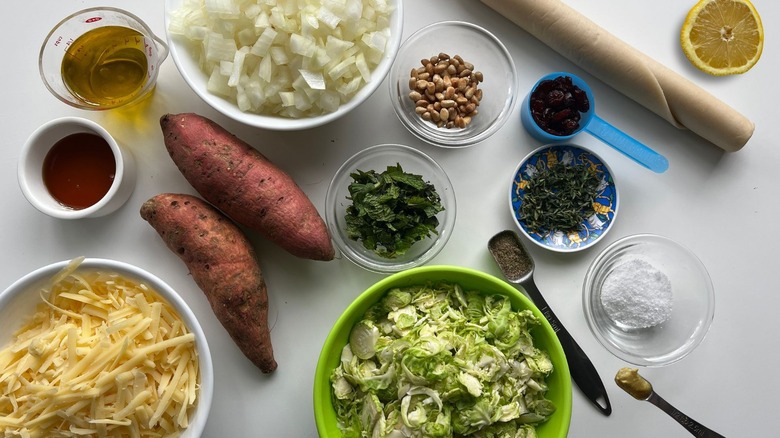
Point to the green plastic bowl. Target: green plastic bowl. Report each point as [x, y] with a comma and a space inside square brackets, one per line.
[559, 381]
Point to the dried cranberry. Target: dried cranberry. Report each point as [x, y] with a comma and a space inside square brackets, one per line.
[556, 105]
[545, 86]
[537, 105]
[581, 98]
[555, 99]
[562, 115]
[570, 125]
[568, 100]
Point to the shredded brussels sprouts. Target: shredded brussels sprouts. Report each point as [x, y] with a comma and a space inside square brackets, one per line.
[438, 361]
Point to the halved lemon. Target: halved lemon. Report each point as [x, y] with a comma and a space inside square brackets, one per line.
[723, 37]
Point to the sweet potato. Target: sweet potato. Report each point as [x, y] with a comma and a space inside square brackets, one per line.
[222, 263]
[241, 182]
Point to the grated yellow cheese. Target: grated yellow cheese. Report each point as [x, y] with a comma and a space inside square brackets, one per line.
[103, 356]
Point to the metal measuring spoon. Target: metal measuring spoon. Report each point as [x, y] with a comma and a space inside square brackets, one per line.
[518, 267]
[639, 388]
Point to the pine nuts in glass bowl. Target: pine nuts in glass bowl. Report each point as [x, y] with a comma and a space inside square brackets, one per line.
[453, 68]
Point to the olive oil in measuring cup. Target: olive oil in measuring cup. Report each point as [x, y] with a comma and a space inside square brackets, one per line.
[106, 66]
[101, 58]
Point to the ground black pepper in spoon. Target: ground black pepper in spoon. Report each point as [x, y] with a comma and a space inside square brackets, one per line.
[518, 268]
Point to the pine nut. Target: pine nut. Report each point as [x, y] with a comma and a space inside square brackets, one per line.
[447, 103]
[445, 90]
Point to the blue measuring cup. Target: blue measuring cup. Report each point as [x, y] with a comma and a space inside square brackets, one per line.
[594, 125]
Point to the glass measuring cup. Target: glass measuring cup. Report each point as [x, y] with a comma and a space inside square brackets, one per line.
[594, 125]
[101, 58]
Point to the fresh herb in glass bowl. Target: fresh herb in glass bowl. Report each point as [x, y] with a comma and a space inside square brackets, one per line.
[559, 197]
[391, 210]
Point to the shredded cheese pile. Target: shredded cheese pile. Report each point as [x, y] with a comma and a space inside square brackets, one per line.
[103, 356]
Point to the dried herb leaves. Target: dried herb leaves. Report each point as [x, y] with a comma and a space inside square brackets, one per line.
[559, 197]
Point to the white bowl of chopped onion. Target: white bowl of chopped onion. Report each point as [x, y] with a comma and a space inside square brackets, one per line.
[284, 65]
[108, 346]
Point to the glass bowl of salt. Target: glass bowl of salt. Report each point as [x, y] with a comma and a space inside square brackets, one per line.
[648, 300]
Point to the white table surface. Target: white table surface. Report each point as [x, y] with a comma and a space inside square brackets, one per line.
[724, 206]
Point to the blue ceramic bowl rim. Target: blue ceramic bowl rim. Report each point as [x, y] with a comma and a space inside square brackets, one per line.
[548, 241]
[539, 133]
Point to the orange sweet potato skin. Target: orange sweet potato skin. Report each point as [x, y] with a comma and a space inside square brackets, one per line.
[222, 262]
[242, 183]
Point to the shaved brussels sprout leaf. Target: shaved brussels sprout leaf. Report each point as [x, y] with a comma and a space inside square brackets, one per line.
[436, 361]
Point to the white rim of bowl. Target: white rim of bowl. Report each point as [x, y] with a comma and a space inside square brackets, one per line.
[79, 124]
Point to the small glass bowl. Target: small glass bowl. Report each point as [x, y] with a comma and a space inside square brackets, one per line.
[475, 45]
[377, 158]
[693, 302]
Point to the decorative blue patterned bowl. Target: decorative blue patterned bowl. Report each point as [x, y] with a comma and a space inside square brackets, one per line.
[605, 205]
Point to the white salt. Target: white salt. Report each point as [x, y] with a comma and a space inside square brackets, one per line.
[637, 294]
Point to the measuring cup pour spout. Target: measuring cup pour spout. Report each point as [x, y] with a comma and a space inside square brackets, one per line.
[162, 50]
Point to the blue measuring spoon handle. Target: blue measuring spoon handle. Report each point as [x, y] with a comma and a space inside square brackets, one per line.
[626, 144]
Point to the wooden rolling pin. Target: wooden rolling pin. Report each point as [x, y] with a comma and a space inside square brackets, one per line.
[654, 86]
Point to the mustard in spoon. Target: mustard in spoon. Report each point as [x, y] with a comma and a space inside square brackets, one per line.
[639, 388]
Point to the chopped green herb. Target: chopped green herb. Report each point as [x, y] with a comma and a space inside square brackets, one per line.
[559, 197]
[391, 210]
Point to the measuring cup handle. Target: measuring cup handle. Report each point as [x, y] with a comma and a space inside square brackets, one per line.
[629, 146]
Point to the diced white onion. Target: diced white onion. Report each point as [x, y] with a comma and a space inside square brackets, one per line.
[286, 57]
[288, 98]
[238, 66]
[264, 42]
[328, 18]
[225, 68]
[314, 79]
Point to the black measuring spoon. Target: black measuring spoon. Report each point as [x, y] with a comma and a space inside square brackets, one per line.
[518, 267]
